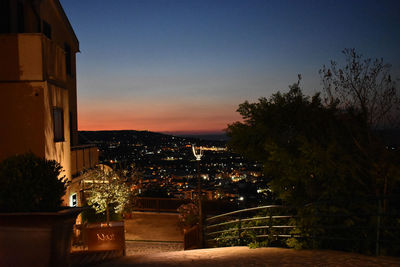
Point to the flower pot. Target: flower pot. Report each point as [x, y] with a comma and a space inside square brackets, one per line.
[36, 238]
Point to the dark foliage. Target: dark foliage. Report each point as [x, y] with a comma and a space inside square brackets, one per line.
[29, 183]
[326, 161]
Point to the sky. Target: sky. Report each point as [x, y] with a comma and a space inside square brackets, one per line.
[185, 66]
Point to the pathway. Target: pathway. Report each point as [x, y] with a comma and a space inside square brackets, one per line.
[243, 256]
[151, 232]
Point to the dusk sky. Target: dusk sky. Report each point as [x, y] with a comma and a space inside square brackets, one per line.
[185, 66]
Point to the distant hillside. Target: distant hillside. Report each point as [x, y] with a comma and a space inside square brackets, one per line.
[146, 137]
[122, 135]
[214, 137]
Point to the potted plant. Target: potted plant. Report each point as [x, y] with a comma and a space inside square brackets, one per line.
[189, 222]
[188, 216]
[108, 195]
[35, 230]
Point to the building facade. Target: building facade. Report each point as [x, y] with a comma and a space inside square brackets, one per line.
[38, 94]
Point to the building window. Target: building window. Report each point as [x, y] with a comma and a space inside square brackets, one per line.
[68, 65]
[47, 29]
[4, 16]
[20, 17]
[58, 124]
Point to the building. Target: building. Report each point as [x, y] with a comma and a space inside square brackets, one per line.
[38, 104]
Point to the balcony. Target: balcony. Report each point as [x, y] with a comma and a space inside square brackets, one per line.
[31, 57]
[83, 158]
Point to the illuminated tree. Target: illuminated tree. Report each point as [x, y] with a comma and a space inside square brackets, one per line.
[109, 191]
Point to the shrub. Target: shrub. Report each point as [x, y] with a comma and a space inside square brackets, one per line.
[30, 183]
[188, 215]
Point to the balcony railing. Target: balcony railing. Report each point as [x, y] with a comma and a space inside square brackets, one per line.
[83, 158]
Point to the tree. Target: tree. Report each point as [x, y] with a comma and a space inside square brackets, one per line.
[131, 177]
[363, 85]
[300, 142]
[326, 156]
[366, 88]
[109, 191]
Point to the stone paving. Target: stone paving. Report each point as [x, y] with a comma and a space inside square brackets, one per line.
[143, 248]
[244, 256]
[151, 232]
[145, 231]
[153, 226]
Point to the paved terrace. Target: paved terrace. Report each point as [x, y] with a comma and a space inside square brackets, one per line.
[150, 232]
[154, 239]
[244, 256]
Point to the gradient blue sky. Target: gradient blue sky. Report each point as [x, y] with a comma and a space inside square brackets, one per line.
[184, 66]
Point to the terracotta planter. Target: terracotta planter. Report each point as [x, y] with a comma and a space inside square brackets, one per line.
[36, 238]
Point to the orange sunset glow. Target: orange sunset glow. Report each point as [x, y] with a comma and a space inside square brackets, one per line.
[158, 116]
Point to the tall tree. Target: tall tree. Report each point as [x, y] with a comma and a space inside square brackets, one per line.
[363, 85]
[328, 152]
[300, 143]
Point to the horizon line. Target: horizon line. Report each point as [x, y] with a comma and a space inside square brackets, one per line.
[183, 132]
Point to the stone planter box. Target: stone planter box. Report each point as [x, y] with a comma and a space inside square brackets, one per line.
[36, 238]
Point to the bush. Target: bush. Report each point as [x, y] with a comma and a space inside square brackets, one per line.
[188, 215]
[30, 183]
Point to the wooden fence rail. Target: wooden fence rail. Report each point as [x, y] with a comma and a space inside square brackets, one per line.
[158, 204]
[192, 238]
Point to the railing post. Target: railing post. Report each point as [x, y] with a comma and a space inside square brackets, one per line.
[313, 219]
[270, 233]
[378, 228]
[201, 227]
[240, 229]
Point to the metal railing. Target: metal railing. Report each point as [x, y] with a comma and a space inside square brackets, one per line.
[260, 222]
[365, 227]
[361, 227]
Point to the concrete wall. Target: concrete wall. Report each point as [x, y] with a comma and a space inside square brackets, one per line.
[61, 34]
[59, 151]
[33, 80]
[83, 158]
[21, 57]
[27, 100]
[35, 14]
[22, 118]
